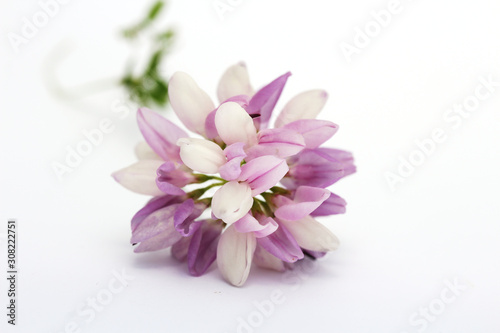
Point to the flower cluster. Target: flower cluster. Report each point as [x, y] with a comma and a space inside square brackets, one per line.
[269, 183]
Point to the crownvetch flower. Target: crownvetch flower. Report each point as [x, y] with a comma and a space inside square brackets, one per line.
[241, 193]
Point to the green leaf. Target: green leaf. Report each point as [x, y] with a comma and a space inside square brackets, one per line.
[150, 88]
[155, 10]
[165, 36]
[153, 13]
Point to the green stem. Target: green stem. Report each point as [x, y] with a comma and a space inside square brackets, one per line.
[279, 190]
[199, 192]
[262, 207]
[206, 201]
[268, 196]
[201, 178]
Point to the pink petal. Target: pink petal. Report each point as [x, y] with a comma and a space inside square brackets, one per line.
[232, 201]
[306, 105]
[210, 128]
[282, 245]
[232, 169]
[185, 216]
[203, 247]
[158, 242]
[263, 172]
[201, 155]
[144, 152]
[152, 206]
[264, 100]
[160, 134]
[241, 100]
[171, 178]
[140, 177]
[191, 104]
[315, 132]
[235, 155]
[320, 167]
[262, 228]
[310, 194]
[266, 260]
[333, 205]
[235, 150]
[312, 235]
[158, 222]
[234, 81]
[234, 124]
[234, 255]
[180, 249]
[306, 200]
[279, 142]
[157, 231]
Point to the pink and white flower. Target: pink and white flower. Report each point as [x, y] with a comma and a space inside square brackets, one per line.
[269, 183]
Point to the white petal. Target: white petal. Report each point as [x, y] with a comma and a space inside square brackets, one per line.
[266, 260]
[234, 124]
[312, 235]
[232, 201]
[144, 152]
[201, 155]
[234, 255]
[306, 105]
[234, 81]
[140, 177]
[190, 103]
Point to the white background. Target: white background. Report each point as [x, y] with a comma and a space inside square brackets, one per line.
[441, 223]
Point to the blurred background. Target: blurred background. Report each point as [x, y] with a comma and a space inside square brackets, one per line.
[413, 85]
